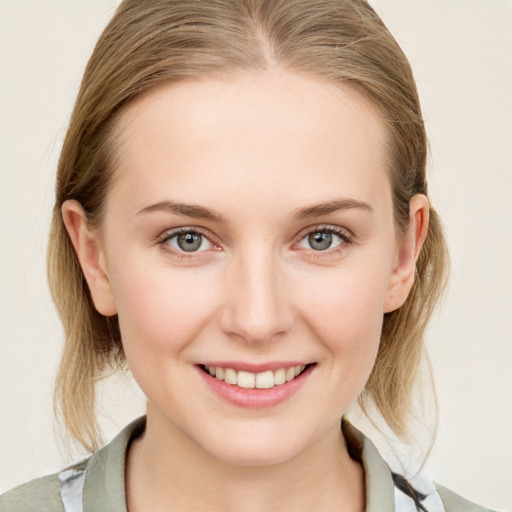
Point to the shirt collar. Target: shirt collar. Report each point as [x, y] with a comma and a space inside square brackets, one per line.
[104, 487]
[379, 487]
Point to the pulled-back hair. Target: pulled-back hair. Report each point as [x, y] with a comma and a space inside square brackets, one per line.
[150, 42]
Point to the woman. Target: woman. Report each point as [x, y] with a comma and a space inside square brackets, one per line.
[242, 218]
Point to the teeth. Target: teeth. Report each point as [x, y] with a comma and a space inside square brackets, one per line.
[219, 373]
[279, 376]
[265, 380]
[249, 380]
[230, 376]
[246, 380]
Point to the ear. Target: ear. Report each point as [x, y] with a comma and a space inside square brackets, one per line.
[409, 249]
[90, 253]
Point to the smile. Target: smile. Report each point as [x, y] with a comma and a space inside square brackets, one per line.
[248, 380]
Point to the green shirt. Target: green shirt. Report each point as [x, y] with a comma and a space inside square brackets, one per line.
[98, 482]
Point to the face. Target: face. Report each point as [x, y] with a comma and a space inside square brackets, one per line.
[250, 235]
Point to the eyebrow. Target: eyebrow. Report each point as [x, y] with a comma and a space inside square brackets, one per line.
[186, 210]
[200, 212]
[318, 210]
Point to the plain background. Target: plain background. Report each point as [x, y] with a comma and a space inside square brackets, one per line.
[460, 51]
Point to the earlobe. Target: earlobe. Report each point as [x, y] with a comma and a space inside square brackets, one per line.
[403, 275]
[90, 254]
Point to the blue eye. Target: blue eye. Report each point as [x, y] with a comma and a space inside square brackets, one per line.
[321, 240]
[189, 241]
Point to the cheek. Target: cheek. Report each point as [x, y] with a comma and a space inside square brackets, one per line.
[344, 310]
[347, 303]
[160, 309]
[343, 313]
[351, 332]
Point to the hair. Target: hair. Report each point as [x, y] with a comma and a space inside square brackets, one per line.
[151, 42]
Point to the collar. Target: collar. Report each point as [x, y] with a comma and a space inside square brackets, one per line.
[379, 486]
[99, 482]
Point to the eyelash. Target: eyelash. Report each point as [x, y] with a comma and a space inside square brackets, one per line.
[164, 239]
[345, 237]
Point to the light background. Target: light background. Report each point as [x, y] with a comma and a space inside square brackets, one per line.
[460, 51]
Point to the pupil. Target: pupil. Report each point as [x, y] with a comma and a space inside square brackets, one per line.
[320, 241]
[189, 241]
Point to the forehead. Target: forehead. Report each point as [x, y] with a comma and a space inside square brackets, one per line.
[259, 131]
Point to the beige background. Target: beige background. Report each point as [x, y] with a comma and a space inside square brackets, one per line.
[461, 54]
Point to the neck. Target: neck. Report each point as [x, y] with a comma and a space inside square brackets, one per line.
[166, 470]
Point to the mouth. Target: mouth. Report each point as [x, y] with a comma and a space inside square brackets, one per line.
[262, 380]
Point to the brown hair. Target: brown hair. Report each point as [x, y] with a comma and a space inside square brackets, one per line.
[149, 42]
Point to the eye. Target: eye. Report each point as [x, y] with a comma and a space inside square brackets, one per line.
[322, 240]
[188, 241]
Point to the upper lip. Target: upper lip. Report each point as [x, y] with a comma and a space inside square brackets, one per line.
[256, 367]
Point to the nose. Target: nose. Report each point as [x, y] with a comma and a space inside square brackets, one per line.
[257, 307]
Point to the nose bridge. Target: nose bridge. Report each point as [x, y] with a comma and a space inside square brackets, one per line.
[257, 307]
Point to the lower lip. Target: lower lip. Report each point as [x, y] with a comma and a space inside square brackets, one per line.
[256, 398]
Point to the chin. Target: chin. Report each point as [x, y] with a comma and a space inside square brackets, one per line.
[253, 456]
[258, 446]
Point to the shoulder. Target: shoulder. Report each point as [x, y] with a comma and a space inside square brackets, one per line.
[96, 483]
[40, 495]
[454, 503]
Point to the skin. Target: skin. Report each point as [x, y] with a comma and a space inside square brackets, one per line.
[256, 150]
